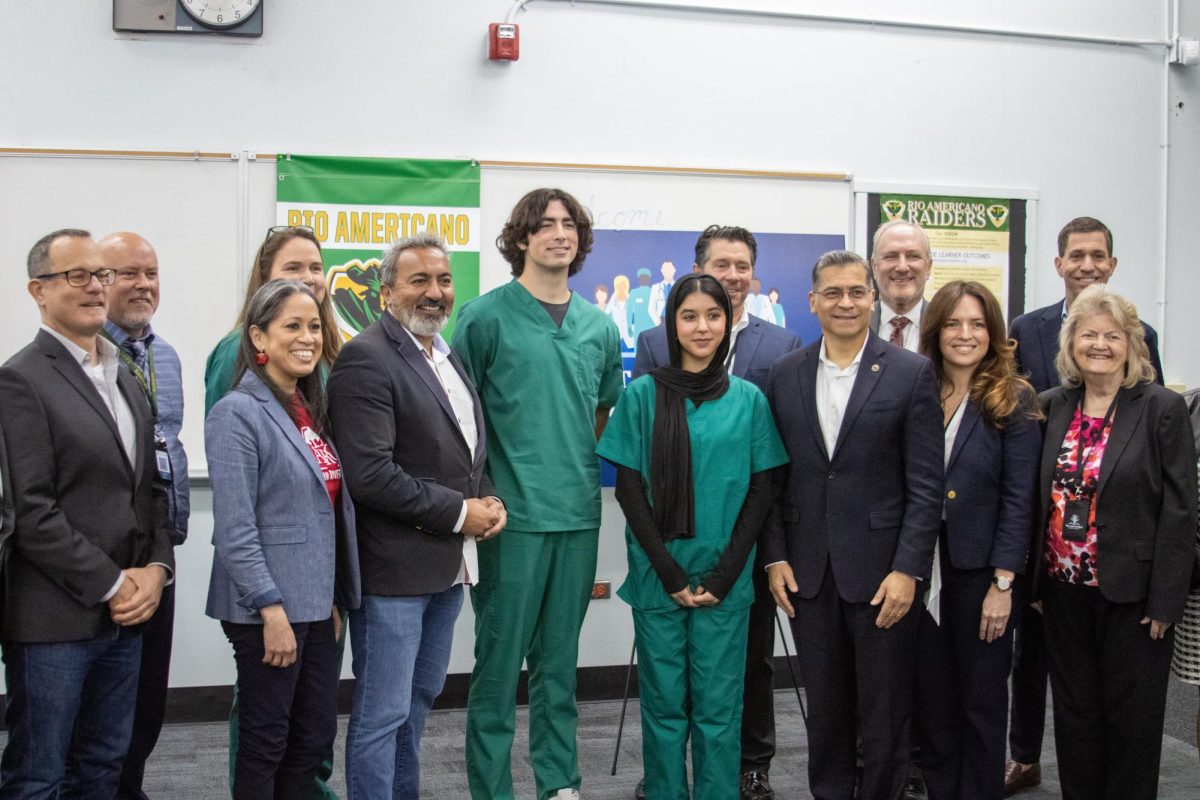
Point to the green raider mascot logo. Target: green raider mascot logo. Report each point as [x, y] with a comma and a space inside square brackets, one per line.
[356, 296]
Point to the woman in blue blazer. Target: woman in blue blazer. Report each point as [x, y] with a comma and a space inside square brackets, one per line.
[284, 539]
[993, 442]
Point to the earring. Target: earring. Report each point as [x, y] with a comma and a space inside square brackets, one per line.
[261, 359]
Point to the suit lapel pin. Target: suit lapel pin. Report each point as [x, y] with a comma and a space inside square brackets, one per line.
[874, 368]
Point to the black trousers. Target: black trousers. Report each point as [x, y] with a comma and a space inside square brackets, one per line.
[1027, 722]
[855, 671]
[151, 706]
[287, 718]
[1110, 693]
[962, 693]
[758, 692]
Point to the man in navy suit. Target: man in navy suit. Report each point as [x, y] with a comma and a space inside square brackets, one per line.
[728, 253]
[856, 529]
[1084, 257]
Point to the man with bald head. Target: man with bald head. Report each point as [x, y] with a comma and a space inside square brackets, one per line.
[900, 264]
[154, 364]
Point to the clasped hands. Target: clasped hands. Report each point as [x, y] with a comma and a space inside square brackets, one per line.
[486, 517]
[686, 598]
[137, 598]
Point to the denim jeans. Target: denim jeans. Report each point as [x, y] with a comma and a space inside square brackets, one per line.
[401, 651]
[69, 715]
[287, 717]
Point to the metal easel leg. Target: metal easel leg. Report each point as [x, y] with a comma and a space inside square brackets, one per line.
[624, 705]
[788, 658]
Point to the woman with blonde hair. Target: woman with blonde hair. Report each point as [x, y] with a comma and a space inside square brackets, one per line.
[1113, 550]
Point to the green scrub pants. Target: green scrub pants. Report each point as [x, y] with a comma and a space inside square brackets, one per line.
[533, 592]
[690, 668]
[321, 790]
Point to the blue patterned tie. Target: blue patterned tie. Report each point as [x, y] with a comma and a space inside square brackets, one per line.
[137, 349]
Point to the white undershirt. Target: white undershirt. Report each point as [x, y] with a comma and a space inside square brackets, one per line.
[738, 327]
[912, 333]
[464, 413]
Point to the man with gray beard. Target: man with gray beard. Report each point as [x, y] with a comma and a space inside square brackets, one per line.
[411, 437]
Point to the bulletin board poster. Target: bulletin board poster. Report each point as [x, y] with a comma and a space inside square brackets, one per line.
[358, 206]
[968, 237]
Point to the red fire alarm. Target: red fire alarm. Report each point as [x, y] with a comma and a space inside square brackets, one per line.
[504, 41]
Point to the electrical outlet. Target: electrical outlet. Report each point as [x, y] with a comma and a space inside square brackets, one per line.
[602, 590]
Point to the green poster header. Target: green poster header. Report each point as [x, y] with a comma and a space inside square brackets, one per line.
[377, 181]
[959, 213]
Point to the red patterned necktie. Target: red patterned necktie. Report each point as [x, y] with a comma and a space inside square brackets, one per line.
[898, 326]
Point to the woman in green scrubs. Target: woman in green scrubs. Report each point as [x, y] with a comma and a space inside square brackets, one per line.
[696, 452]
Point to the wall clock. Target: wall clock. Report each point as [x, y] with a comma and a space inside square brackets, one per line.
[224, 17]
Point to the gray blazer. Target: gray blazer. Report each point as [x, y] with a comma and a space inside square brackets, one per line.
[83, 511]
[274, 529]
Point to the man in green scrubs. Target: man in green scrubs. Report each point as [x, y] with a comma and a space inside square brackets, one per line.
[547, 366]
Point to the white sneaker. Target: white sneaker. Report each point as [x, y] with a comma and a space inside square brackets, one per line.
[567, 794]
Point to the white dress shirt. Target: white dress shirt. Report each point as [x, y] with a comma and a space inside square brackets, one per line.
[464, 413]
[912, 333]
[935, 577]
[833, 394]
[738, 327]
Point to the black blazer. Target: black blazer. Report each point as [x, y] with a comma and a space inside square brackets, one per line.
[404, 460]
[1145, 501]
[8, 512]
[876, 506]
[991, 491]
[756, 348]
[1036, 334]
[83, 512]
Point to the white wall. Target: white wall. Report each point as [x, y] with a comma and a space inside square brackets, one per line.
[1080, 123]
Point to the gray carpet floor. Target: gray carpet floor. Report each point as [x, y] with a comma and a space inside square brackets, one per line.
[190, 762]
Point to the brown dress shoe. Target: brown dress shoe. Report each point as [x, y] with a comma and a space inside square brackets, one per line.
[1018, 777]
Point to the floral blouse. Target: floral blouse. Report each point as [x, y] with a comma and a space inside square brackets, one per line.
[1075, 562]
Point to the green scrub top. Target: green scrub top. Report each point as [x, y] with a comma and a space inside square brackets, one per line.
[540, 386]
[218, 370]
[732, 438]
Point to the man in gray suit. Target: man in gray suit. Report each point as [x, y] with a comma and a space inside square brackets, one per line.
[900, 264]
[411, 435]
[89, 556]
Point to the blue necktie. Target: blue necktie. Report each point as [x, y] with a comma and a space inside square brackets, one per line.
[137, 350]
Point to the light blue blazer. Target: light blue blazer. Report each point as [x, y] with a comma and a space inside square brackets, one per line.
[274, 529]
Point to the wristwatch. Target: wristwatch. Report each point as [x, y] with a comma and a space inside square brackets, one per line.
[1003, 584]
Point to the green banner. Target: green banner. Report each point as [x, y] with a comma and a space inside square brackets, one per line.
[358, 206]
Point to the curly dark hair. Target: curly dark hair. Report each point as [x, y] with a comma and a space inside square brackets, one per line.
[996, 388]
[525, 219]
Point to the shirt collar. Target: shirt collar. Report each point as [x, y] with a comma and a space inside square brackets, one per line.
[104, 348]
[886, 314]
[857, 358]
[441, 350]
[120, 336]
[1064, 310]
[744, 322]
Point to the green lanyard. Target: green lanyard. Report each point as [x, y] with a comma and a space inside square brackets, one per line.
[149, 383]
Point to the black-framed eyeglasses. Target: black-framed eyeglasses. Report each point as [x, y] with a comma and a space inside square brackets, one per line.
[80, 277]
[274, 229]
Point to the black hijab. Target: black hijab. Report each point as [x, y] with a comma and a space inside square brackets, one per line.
[671, 448]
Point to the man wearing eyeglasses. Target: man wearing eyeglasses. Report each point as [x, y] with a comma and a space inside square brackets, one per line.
[89, 556]
[132, 301]
[858, 520]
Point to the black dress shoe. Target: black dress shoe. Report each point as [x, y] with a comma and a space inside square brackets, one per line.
[756, 786]
[639, 793]
[914, 788]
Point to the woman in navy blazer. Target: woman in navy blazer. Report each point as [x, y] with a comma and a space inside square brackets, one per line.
[992, 442]
[284, 539]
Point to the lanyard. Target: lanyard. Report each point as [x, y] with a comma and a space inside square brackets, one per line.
[149, 383]
[1080, 453]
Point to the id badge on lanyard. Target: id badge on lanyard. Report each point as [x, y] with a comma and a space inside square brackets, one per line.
[1077, 513]
[162, 458]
